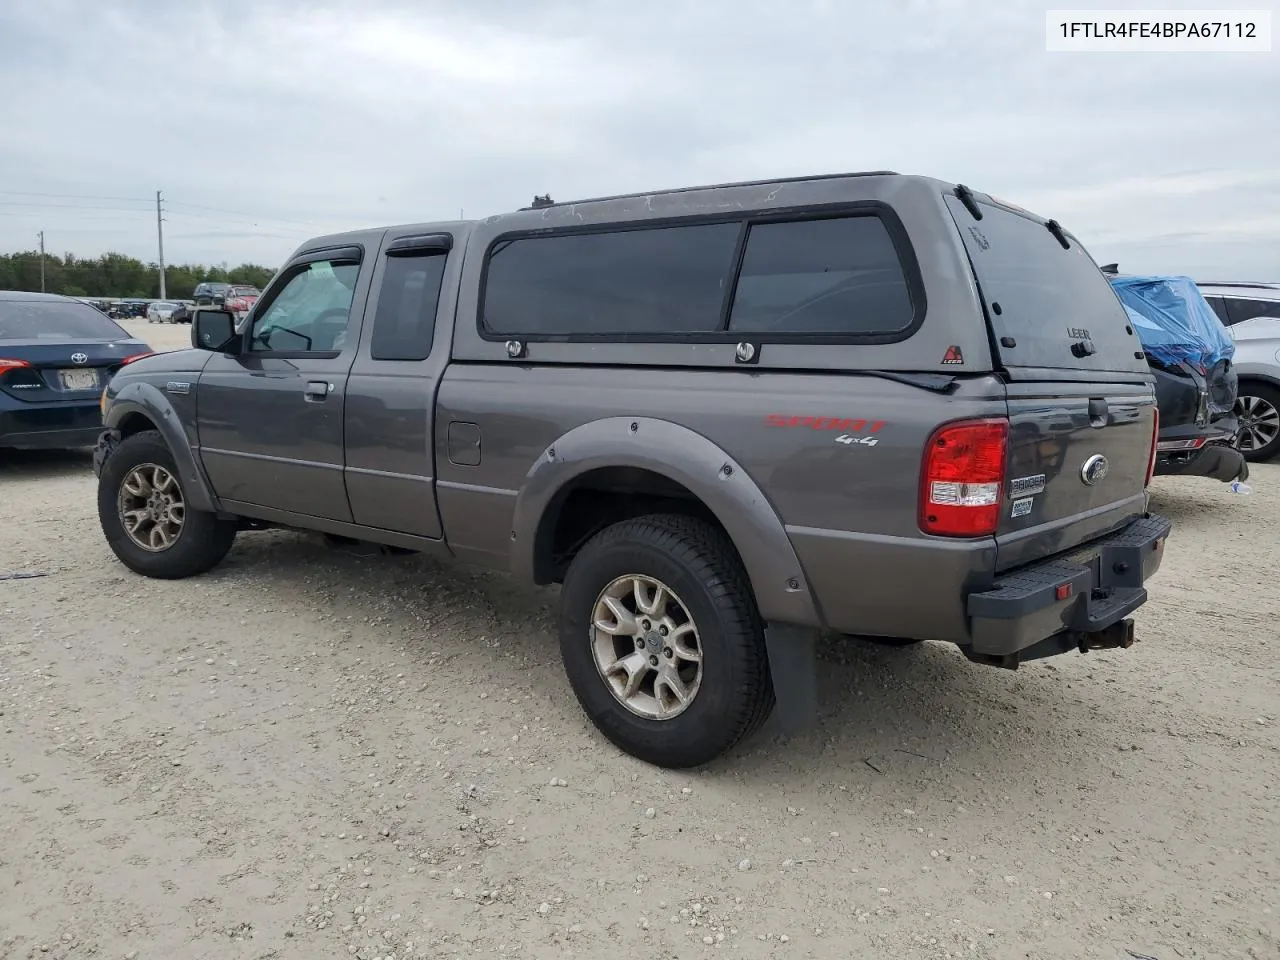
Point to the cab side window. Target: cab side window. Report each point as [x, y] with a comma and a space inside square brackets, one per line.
[311, 312]
[1241, 309]
[1220, 308]
[405, 323]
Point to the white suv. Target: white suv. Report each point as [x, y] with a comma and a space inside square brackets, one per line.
[1251, 313]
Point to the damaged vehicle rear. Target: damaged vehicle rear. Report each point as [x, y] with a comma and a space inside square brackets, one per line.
[1191, 356]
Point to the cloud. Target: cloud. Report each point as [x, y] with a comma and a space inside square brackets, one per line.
[270, 121]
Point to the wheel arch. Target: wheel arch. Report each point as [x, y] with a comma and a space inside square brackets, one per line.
[690, 470]
[1251, 373]
[138, 406]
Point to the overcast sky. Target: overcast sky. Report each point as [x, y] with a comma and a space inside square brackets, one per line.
[269, 121]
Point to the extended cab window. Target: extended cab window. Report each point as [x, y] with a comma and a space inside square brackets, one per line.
[311, 312]
[405, 323]
[646, 281]
[836, 276]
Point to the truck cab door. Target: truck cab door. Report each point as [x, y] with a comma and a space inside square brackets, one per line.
[390, 402]
[270, 415]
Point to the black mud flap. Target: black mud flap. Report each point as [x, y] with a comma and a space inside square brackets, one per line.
[793, 665]
[107, 441]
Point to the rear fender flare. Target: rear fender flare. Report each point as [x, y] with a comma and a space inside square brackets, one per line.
[1259, 372]
[140, 397]
[690, 459]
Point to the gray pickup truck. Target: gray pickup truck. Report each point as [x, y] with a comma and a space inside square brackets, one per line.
[722, 418]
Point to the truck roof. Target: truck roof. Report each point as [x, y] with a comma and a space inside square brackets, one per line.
[714, 186]
[651, 204]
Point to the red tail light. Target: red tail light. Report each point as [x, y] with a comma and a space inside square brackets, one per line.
[136, 356]
[1155, 446]
[7, 365]
[962, 484]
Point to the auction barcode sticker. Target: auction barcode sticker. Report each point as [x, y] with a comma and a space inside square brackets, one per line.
[1158, 31]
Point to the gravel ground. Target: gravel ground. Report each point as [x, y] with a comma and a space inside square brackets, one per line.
[306, 754]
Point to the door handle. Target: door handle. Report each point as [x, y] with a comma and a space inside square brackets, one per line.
[316, 390]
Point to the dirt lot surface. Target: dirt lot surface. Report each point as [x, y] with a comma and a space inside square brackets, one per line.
[308, 755]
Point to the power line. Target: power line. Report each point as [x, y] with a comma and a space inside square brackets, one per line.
[66, 206]
[237, 213]
[126, 215]
[217, 219]
[45, 212]
[170, 204]
[71, 196]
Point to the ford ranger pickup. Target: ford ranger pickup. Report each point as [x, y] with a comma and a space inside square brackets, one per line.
[721, 418]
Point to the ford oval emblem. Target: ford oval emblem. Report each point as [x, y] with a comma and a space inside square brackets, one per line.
[1094, 469]
[79, 358]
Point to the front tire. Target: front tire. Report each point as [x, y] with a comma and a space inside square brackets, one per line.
[144, 514]
[662, 642]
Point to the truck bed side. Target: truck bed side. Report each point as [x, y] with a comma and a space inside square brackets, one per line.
[837, 457]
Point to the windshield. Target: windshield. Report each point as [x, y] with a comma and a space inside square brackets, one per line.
[165, 305]
[243, 292]
[54, 320]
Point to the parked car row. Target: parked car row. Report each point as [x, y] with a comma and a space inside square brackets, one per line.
[238, 297]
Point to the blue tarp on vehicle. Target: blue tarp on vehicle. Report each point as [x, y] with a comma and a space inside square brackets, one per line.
[1173, 321]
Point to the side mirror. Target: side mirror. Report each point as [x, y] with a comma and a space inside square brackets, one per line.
[213, 329]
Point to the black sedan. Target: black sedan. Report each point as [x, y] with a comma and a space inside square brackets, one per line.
[56, 357]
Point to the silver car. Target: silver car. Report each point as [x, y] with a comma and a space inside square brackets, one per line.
[161, 311]
[1251, 312]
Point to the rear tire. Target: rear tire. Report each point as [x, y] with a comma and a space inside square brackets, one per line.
[141, 501]
[704, 636]
[1258, 407]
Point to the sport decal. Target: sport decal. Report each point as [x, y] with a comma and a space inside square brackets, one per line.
[825, 423]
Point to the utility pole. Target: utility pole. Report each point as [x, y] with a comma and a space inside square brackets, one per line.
[42, 261]
[160, 242]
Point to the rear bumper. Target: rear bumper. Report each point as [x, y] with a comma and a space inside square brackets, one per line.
[59, 426]
[1216, 458]
[1079, 600]
[1217, 461]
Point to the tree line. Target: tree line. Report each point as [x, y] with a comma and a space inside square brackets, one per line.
[114, 275]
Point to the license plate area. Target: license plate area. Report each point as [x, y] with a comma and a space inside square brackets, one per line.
[78, 379]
